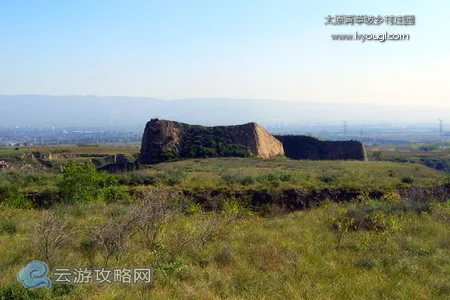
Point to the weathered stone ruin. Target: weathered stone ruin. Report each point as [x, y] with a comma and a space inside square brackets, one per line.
[168, 140]
[305, 147]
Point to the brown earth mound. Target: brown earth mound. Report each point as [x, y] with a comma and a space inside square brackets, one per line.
[168, 140]
[305, 147]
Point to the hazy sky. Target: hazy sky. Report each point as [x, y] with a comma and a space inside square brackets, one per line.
[226, 48]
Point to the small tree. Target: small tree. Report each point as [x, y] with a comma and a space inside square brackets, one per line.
[151, 217]
[342, 224]
[213, 225]
[385, 227]
[51, 234]
[153, 212]
[111, 236]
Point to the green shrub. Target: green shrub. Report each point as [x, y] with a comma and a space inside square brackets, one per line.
[172, 177]
[16, 179]
[327, 178]
[275, 184]
[168, 268]
[271, 177]
[286, 176]
[342, 224]
[366, 263]
[408, 179]
[229, 178]
[279, 177]
[194, 209]
[82, 183]
[211, 142]
[416, 207]
[247, 180]
[19, 201]
[233, 178]
[137, 178]
[114, 194]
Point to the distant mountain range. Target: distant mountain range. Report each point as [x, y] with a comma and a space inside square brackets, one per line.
[134, 112]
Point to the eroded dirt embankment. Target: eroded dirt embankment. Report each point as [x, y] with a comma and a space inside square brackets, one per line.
[286, 199]
[300, 199]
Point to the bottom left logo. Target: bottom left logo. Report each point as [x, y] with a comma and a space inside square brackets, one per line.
[34, 275]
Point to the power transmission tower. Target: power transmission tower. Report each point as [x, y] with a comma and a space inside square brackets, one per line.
[441, 135]
[345, 127]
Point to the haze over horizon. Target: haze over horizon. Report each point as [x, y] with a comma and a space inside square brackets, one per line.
[277, 50]
[134, 112]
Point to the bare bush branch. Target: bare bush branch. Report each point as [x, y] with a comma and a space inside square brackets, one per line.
[111, 236]
[152, 214]
[51, 234]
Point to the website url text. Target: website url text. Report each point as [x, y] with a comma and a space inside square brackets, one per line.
[381, 37]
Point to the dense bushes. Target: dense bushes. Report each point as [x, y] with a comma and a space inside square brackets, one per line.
[78, 183]
[17, 188]
[234, 178]
[170, 177]
[377, 215]
[211, 142]
[19, 201]
[136, 178]
[82, 183]
[115, 193]
[11, 181]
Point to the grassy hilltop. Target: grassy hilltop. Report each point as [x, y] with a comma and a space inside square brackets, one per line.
[207, 229]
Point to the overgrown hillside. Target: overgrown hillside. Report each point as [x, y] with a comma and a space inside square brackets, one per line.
[392, 248]
[240, 228]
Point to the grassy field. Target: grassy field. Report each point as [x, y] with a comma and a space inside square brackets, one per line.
[286, 173]
[409, 154]
[72, 149]
[395, 247]
[433, 159]
[244, 174]
[294, 256]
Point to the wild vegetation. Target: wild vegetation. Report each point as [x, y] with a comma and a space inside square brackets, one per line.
[390, 240]
[211, 142]
[165, 141]
[390, 248]
[437, 160]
